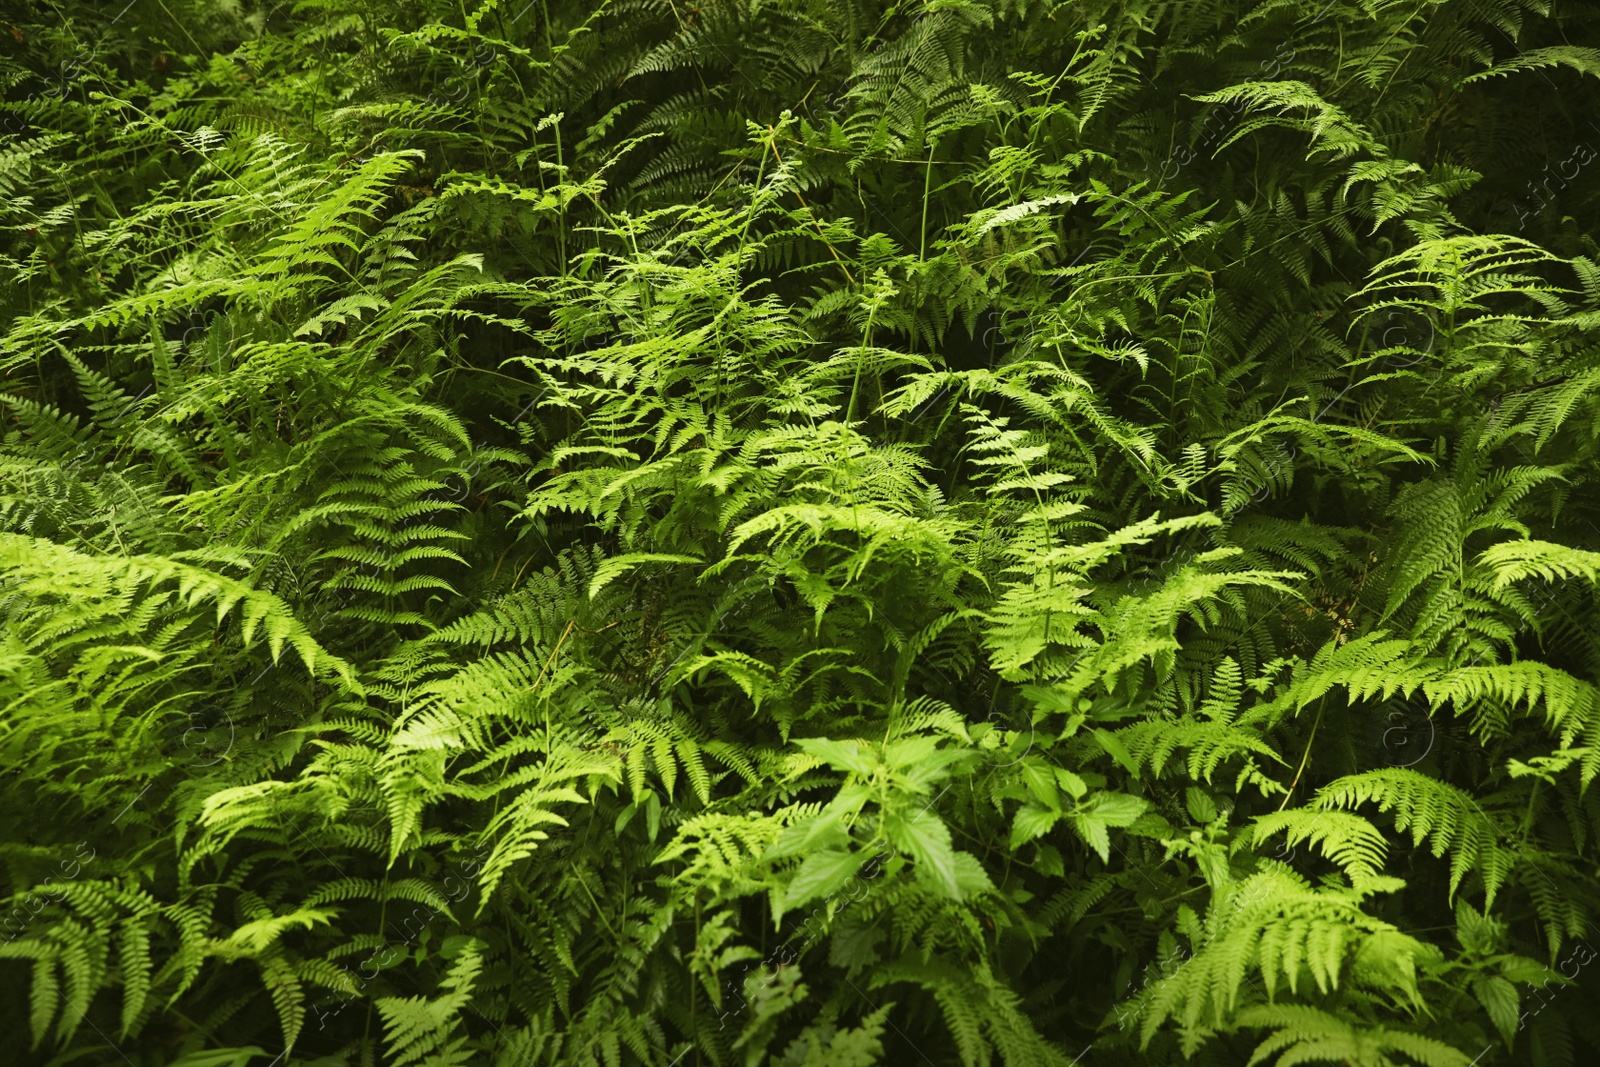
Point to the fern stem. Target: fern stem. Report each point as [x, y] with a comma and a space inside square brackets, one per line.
[561, 172]
[1304, 755]
[549, 732]
[771, 143]
[927, 185]
[598, 912]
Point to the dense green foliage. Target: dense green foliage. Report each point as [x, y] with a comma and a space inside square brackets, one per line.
[800, 532]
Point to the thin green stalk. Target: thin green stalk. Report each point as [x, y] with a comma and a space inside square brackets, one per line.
[927, 186]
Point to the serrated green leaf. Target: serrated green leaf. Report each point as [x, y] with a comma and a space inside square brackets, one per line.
[822, 874]
[925, 837]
